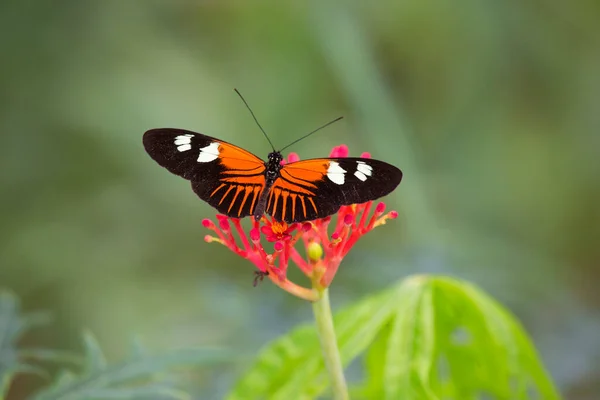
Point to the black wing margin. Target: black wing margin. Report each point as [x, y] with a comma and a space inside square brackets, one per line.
[179, 156]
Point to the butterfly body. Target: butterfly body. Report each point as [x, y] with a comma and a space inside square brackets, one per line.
[239, 184]
[272, 168]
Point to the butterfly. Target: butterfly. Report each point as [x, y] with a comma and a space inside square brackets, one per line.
[239, 184]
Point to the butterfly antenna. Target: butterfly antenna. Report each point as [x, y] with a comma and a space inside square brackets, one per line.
[308, 134]
[254, 116]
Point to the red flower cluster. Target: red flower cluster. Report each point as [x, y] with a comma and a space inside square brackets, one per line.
[324, 252]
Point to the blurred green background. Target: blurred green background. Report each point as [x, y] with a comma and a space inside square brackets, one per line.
[491, 109]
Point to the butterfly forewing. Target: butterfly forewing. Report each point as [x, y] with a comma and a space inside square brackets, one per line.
[227, 177]
[316, 188]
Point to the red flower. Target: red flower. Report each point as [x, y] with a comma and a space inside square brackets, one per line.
[275, 230]
[324, 252]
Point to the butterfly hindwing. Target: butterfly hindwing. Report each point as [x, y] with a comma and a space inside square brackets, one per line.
[310, 189]
[229, 178]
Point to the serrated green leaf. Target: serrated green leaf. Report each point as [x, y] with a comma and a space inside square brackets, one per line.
[526, 373]
[148, 392]
[387, 370]
[31, 370]
[64, 378]
[137, 347]
[292, 366]
[51, 355]
[9, 328]
[452, 341]
[12, 326]
[427, 338]
[94, 357]
[126, 379]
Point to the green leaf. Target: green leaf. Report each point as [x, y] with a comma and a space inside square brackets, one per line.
[12, 326]
[148, 392]
[131, 379]
[453, 341]
[292, 366]
[94, 357]
[50, 355]
[426, 338]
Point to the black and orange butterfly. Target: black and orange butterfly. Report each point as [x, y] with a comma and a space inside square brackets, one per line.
[239, 184]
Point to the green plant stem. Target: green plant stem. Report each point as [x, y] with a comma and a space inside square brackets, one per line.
[331, 353]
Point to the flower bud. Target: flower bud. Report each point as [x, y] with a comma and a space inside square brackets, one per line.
[293, 157]
[254, 235]
[224, 224]
[314, 251]
[278, 246]
[307, 226]
[348, 219]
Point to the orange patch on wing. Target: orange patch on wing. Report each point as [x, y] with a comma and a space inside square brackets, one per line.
[271, 193]
[242, 171]
[257, 191]
[217, 189]
[313, 204]
[246, 180]
[303, 205]
[277, 192]
[308, 170]
[226, 193]
[291, 187]
[237, 192]
[302, 176]
[238, 160]
[247, 190]
[293, 196]
[285, 194]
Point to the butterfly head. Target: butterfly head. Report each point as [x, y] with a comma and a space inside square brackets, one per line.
[275, 157]
[273, 165]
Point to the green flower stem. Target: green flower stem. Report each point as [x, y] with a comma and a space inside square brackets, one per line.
[331, 353]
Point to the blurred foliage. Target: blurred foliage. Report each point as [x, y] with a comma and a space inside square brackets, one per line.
[490, 109]
[425, 338]
[12, 327]
[139, 377]
[142, 376]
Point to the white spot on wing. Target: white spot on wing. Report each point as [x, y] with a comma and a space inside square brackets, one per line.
[183, 142]
[360, 176]
[335, 173]
[364, 168]
[209, 153]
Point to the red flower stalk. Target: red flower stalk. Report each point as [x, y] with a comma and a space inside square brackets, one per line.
[324, 252]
